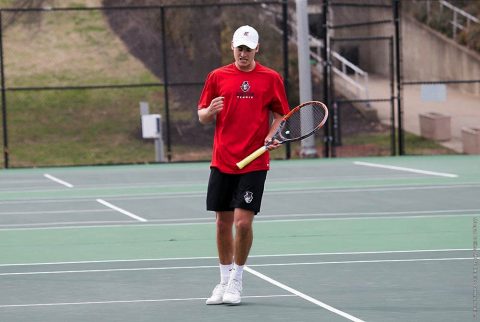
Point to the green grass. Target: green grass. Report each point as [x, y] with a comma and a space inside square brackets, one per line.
[415, 145]
[370, 144]
[51, 127]
[80, 126]
[68, 48]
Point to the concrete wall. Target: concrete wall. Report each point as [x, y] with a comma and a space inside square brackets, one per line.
[428, 55]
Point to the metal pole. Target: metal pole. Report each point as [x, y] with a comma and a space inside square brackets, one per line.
[159, 142]
[336, 131]
[4, 99]
[165, 80]
[393, 147]
[334, 128]
[398, 63]
[305, 77]
[326, 75]
[288, 150]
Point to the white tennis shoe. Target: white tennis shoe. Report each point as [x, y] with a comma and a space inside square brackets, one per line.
[217, 294]
[233, 292]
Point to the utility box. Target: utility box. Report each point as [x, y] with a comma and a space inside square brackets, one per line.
[435, 126]
[151, 128]
[471, 140]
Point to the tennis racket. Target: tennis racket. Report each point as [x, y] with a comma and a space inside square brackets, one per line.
[301, 122]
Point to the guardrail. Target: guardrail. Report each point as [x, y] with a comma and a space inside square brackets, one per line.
[360, 80]
[456, 20]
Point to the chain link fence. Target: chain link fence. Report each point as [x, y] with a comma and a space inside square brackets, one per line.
[72, 79]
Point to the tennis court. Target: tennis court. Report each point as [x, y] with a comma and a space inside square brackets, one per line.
[368, 239]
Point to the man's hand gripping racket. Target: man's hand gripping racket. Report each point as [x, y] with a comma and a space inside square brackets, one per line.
[299, 123]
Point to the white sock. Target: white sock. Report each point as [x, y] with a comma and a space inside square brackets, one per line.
[238, 272]
[225, 271]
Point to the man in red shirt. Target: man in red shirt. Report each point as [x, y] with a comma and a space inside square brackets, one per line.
[239, 98]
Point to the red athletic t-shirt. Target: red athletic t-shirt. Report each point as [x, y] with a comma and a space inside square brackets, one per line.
[244, 122]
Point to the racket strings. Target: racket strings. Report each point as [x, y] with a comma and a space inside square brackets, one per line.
[303, 121]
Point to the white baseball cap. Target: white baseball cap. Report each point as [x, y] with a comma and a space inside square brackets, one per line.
[247, 36]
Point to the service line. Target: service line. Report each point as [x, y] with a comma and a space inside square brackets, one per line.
[123, 211]
[391, 167]
[66, 184]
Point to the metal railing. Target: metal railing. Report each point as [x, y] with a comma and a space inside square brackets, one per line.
[456, 21]
[360, 80]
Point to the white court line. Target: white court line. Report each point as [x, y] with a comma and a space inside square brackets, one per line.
[123, 211]
[411, 251]
[373, 261]
[379, 214]
[302, 295]
[71, 224]
[133, 301]
[160, 223]
[432, 173]
[417, 213]
[268, 191]
[111, 270]
[51, 212]
[66, 184]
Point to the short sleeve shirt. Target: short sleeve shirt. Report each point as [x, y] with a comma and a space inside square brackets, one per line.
[244, 122]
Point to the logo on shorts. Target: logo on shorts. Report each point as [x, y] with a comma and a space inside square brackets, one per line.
[248, 196]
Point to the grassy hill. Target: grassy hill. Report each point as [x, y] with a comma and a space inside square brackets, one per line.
[77, 126]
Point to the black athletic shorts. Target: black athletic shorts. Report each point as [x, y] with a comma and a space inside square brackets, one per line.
[229, 191]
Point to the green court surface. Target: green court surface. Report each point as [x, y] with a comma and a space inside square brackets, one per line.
[368, 239]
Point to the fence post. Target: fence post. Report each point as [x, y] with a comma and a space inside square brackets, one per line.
[166, 84]
[393, 148]
[326, 77]
[4, 98]
[286, 81]
[398, 63]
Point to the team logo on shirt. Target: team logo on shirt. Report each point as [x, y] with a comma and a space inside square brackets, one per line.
[245, 87]
[248, 196]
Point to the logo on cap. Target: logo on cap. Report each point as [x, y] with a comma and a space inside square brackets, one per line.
[246, 36]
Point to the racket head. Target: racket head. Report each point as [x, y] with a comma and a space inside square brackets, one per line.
[302, 121]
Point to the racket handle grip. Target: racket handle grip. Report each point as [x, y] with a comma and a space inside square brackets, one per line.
[242, 164]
